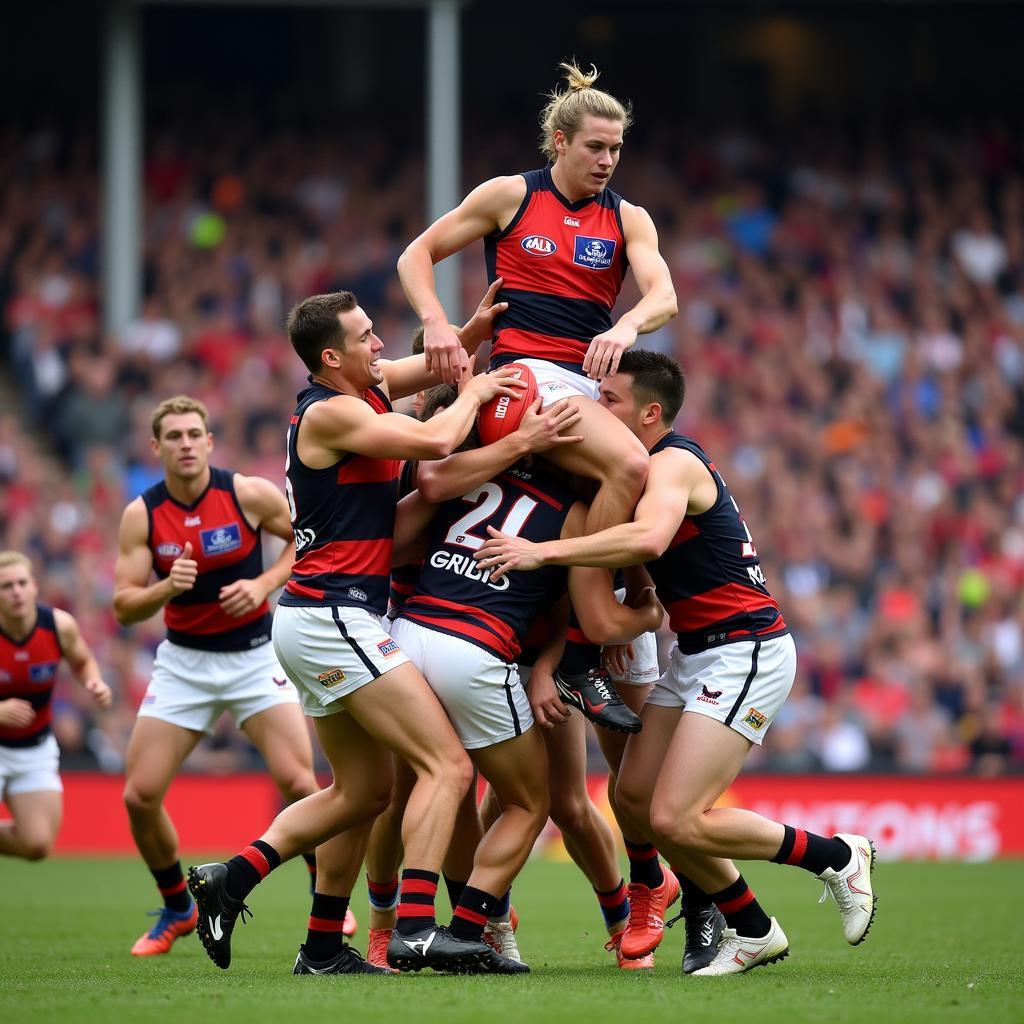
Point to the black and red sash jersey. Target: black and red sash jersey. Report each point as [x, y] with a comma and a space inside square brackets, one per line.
[344, 520]
[455, 596]
[28, 671]
[710, 579]
[562, 263]
[227, 549]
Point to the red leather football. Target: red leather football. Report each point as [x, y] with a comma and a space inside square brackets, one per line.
[502, 415]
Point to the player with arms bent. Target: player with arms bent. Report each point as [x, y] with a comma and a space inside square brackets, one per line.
[199, 530]
[561, 241]
[34, 638]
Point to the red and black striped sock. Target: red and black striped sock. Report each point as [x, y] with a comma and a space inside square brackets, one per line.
[310, 859]
[644, 866]
[614, 904]
[471, 914]
[416, 901]
[741, 910]
[812, 852]
[383, 895]
[324, 939]
[454, 890]
[250, 867]
[171, 883]
[580, 655]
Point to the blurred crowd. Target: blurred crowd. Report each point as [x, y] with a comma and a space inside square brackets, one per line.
[851, 323]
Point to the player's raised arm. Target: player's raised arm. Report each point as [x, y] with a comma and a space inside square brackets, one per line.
[135, 598]
[80, 658]
[487, 208]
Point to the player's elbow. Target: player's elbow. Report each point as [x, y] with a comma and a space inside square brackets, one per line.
[121, 611]
[648, 547]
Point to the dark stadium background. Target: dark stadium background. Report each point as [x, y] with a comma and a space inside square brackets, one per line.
[839, 190]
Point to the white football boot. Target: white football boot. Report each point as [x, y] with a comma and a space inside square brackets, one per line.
[501, 937]
[851, 888]
[738, 953]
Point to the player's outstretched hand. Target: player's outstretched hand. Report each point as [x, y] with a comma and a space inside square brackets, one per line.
[542, 430]
[602, 358]
[547, 706]
[480, 325]
[16, 713]
[503, 381]
[99, 691]
[241, 597]
[443, 352]
[184, 570]
[501, 554]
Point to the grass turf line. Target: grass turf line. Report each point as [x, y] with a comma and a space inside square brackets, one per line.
[945, 947]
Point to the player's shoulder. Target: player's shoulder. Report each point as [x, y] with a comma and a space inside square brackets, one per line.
[255, 490]
[135, 514]
[495, 194]
[635, 219]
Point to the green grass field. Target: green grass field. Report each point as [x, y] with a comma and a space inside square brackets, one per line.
[946, 946]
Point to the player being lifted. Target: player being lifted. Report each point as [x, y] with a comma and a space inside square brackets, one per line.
[562, 241]
[34, 639]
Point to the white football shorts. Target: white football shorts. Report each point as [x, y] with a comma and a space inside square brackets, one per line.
[30, 769]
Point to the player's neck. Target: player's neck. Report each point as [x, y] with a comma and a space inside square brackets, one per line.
[17, 627]
[186, 490]
[565, 186]
[337, 382]
[650, 438]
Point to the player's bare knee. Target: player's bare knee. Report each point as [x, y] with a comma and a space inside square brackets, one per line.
[36, 848]
[680, 828]
[571, 813]
[140, 801]
[296, 784]
[632, 802]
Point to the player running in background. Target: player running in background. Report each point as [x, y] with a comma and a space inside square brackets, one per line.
[344, 451]
[561, 241]
[199, 531]
[730, 673]
[34, 639]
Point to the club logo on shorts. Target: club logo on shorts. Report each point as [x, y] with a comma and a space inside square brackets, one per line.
[388, 647]
[42, 673]
[330, 678]
[754, 719]
[708, 696]
[219, 540]
[149, 700]
[356, 594]
[595, 253]
[168, 550]
[539, 245]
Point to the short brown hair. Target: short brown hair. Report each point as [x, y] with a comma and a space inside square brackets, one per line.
[313, 325]
[175, 406]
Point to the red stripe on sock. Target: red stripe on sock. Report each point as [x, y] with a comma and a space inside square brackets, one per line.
[325, 924]
[634, 854]
[731, 906]
[257, 860]
[419, 885]
[470, 915]
[799, 847]
[611, 899]
[384, 888]
[173, 890]
[415, 910]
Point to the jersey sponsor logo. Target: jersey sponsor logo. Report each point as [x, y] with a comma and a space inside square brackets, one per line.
[388, 647]
[259, 641]
[464, 565]
[571, 222]
[5, 677]
[303, 538]
[754, 719]
[539, 245]
[708, 696]
[193, 520]
[219, 540]
[21, 655]
[595, 253]
[330, 678]
[169, 550]
[43, 672]
[356, 594]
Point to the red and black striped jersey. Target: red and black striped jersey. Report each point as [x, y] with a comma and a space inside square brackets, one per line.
[710, 579]
[563, 264]
[453, 595]
[227, 549]
[28, 671]
[343, 517]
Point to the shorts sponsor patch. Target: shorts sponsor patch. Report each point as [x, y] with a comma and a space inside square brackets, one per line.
[388, 647]
[754, 719]
[594, 253]
[708, 696]
[42, 673]
[149, 700]
[219, 540]
[330, 678]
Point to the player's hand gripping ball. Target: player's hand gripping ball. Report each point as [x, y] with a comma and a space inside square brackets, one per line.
[502, 415]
